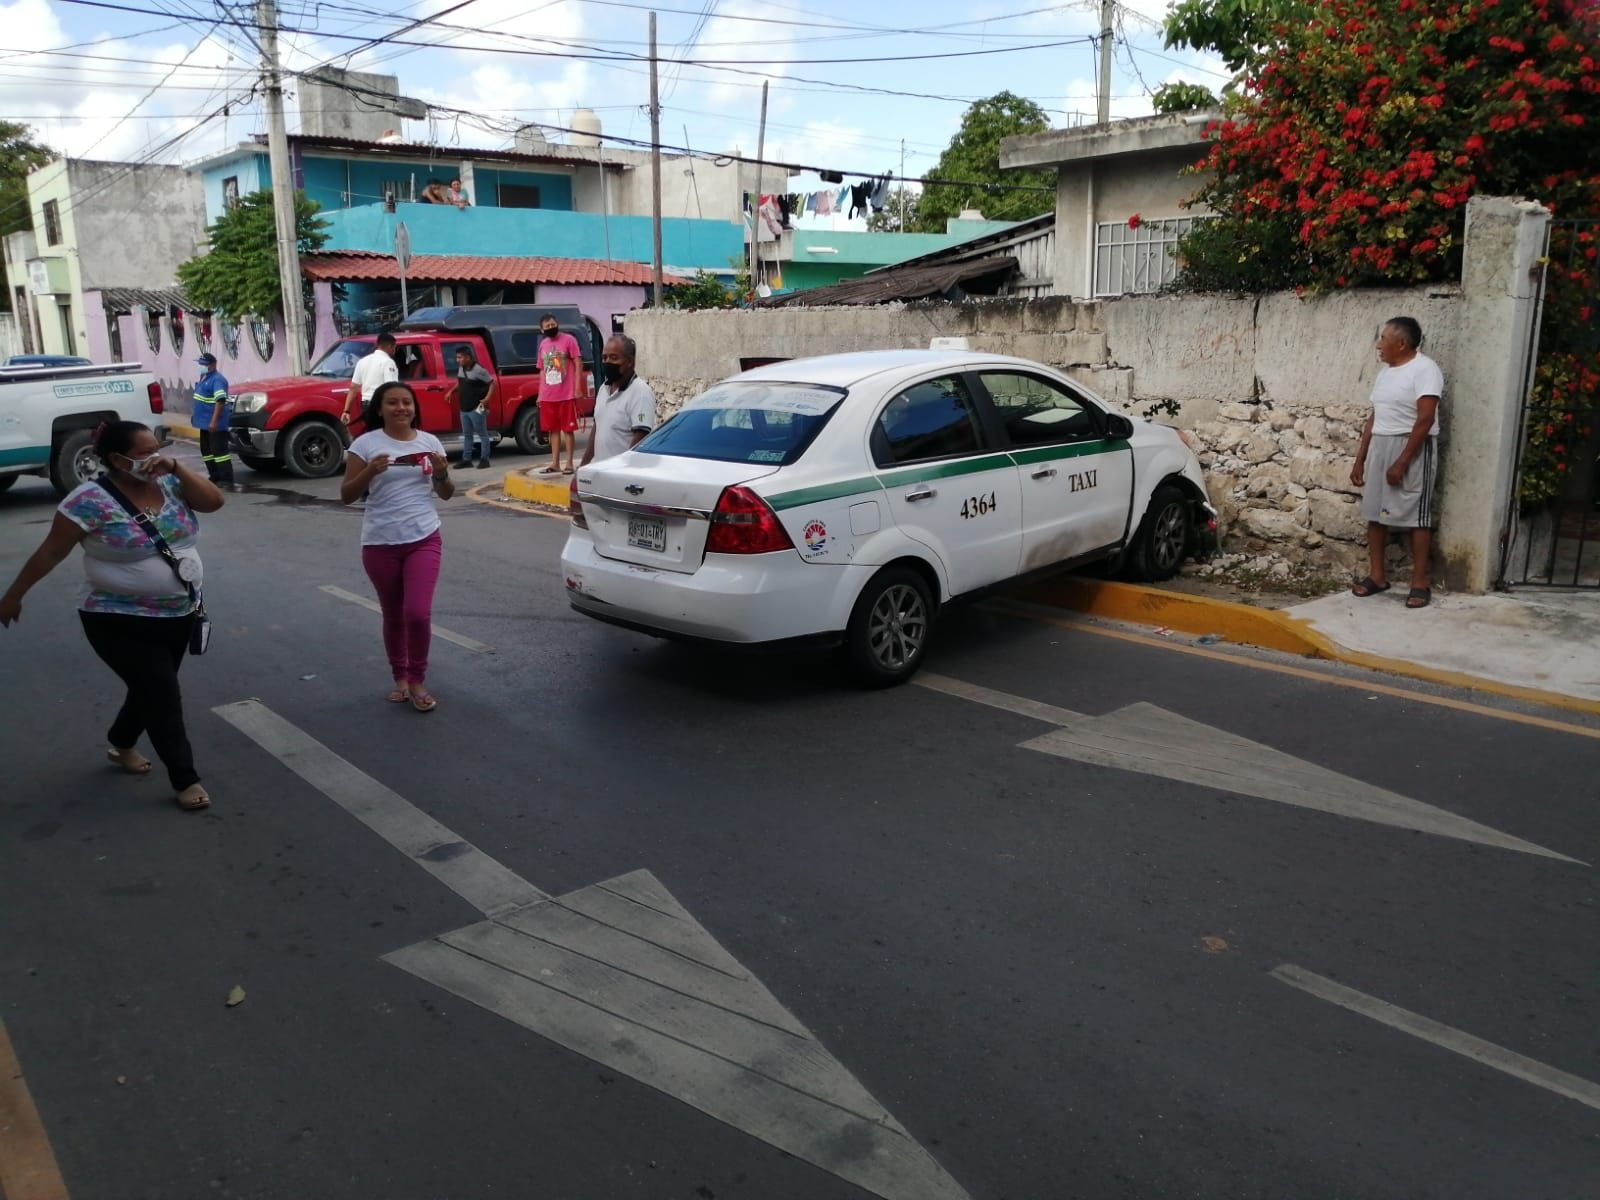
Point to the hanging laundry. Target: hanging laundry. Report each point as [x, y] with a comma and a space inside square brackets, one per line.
[785, 212]
[769, 214]
[821, 203]
[858, 199]
[879, 197]
[842, 200]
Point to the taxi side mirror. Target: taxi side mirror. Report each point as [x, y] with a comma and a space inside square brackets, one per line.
[1118, 426]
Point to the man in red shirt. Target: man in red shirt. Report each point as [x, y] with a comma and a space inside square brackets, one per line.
[561, 385]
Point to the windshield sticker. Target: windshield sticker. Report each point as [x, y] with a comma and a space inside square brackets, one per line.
[766, 456]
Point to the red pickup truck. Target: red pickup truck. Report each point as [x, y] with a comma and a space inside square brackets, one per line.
[293, 423]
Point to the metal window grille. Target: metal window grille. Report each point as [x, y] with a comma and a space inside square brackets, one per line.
[52, 223]
[1141, 259]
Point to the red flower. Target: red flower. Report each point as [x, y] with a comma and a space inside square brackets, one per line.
[1134, 221]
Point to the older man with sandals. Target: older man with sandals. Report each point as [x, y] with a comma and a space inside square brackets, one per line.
[1398, 458]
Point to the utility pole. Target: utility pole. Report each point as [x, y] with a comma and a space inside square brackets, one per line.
[1108, 9]
[283, 193]
[902, 185]
[655, 172]
[755, 203]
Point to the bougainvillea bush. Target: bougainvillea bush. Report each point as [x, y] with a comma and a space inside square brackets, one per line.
[1358, 135]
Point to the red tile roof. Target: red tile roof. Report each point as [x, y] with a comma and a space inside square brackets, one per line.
[360, 266]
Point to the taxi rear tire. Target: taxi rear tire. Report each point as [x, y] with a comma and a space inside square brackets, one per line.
[889, 628]
[1162, 542]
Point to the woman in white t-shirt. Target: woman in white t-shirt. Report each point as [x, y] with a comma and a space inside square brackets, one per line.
[400, 469]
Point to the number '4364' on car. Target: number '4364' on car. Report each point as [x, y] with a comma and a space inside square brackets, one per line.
[846, 499]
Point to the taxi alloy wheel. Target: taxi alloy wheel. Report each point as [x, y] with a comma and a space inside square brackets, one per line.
[1163, 538]
[889, 629]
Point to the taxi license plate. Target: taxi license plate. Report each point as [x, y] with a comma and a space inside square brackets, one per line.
[647, 533]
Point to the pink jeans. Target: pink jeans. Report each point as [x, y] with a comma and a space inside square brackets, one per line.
[405, 576]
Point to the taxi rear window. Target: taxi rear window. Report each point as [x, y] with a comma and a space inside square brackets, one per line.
[747, 421]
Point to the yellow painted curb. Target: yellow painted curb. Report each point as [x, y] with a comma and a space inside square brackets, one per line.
[178, 429]
[1271, 629]
[1239, 623]
[522, 485]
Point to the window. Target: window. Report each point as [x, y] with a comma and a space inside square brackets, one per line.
[518, 195]
[448, 350]
[750, 422]
[337, 363]
[230, 192]
[1141, 259]
[52, 223]
[400, 189]
[1036, 412]
[411, 360]
[935, 419]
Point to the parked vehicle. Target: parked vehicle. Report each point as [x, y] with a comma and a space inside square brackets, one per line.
[293, 422]
[48, 415]
[46, 360]
[845, 499]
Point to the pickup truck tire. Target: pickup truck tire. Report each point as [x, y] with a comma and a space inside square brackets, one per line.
[6, 481]
[314, 450]
[267, 466]
[1163, 538]
[525, 429]
[74, 461]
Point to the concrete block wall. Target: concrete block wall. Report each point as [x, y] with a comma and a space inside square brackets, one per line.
[1271, 390]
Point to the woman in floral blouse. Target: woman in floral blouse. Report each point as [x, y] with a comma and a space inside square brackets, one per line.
[136, 611]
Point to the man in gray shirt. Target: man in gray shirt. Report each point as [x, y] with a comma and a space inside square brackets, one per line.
[474, 388]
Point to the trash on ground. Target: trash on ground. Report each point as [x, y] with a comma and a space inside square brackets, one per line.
[1210, 639]
[235, 996]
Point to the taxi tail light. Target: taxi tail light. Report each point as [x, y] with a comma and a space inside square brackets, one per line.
[743, 523]
[158, 402]
[575, 506]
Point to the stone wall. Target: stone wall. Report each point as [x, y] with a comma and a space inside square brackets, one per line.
[1270, 390]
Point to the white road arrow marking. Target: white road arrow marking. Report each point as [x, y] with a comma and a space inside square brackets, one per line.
[1153, 741]
[622, 974]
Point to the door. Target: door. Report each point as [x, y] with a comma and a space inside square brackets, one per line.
[946, 485]
[1076, 483]
[422, 368]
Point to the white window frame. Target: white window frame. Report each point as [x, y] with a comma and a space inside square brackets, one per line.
[1143, 259]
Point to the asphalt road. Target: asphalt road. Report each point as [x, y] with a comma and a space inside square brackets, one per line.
[1060, 979]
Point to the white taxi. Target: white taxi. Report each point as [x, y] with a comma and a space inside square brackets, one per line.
[846, 498]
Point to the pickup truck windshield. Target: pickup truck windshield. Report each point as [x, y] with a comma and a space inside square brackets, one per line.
[340, 362]
[747, 421]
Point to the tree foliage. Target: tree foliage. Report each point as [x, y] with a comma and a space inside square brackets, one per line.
[19, 154]
[1362, 131]
[888, 221]
[705, 290]
[238, 274]
[1240, 32]
[1181, 97]
[973, 156]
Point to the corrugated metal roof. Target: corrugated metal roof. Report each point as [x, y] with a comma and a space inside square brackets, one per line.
[445, 155]
[118, 301]
[360, 266]
[939, 281]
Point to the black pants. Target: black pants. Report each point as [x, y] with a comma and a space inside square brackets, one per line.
[146, 653]
[218, 458]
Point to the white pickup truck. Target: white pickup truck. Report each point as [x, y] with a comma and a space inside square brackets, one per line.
[48, 416]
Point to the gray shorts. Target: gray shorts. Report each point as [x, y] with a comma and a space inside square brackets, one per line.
[1409, 506]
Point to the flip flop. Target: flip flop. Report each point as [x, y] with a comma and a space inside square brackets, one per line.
[398, 696]
[1369, 587]
[1419, 597]
[550, 471]
[193, 798]
[421, 701]
[129, 760]
[567, 471]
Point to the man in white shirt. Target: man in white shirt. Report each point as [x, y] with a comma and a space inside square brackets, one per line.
[1398, 457]
[372, 371]
[624, 407]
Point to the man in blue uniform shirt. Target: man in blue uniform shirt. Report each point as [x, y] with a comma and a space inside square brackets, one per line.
[210, 417]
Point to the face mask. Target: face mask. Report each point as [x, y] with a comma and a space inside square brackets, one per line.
[610, 372]
[140, 468]
[550, 333]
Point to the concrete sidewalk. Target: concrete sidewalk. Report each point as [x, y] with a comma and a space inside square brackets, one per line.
[1539, 639]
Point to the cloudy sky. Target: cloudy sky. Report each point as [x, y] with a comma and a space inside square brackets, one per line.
[171, 80]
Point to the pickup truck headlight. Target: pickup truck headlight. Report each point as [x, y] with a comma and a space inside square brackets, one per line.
[249, 402]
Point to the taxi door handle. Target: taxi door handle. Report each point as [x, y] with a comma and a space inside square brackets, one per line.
[926, 493]
[1044, 473]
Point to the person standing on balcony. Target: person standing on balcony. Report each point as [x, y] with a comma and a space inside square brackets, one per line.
[372, 372]
[210, 417]
[561, 386]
